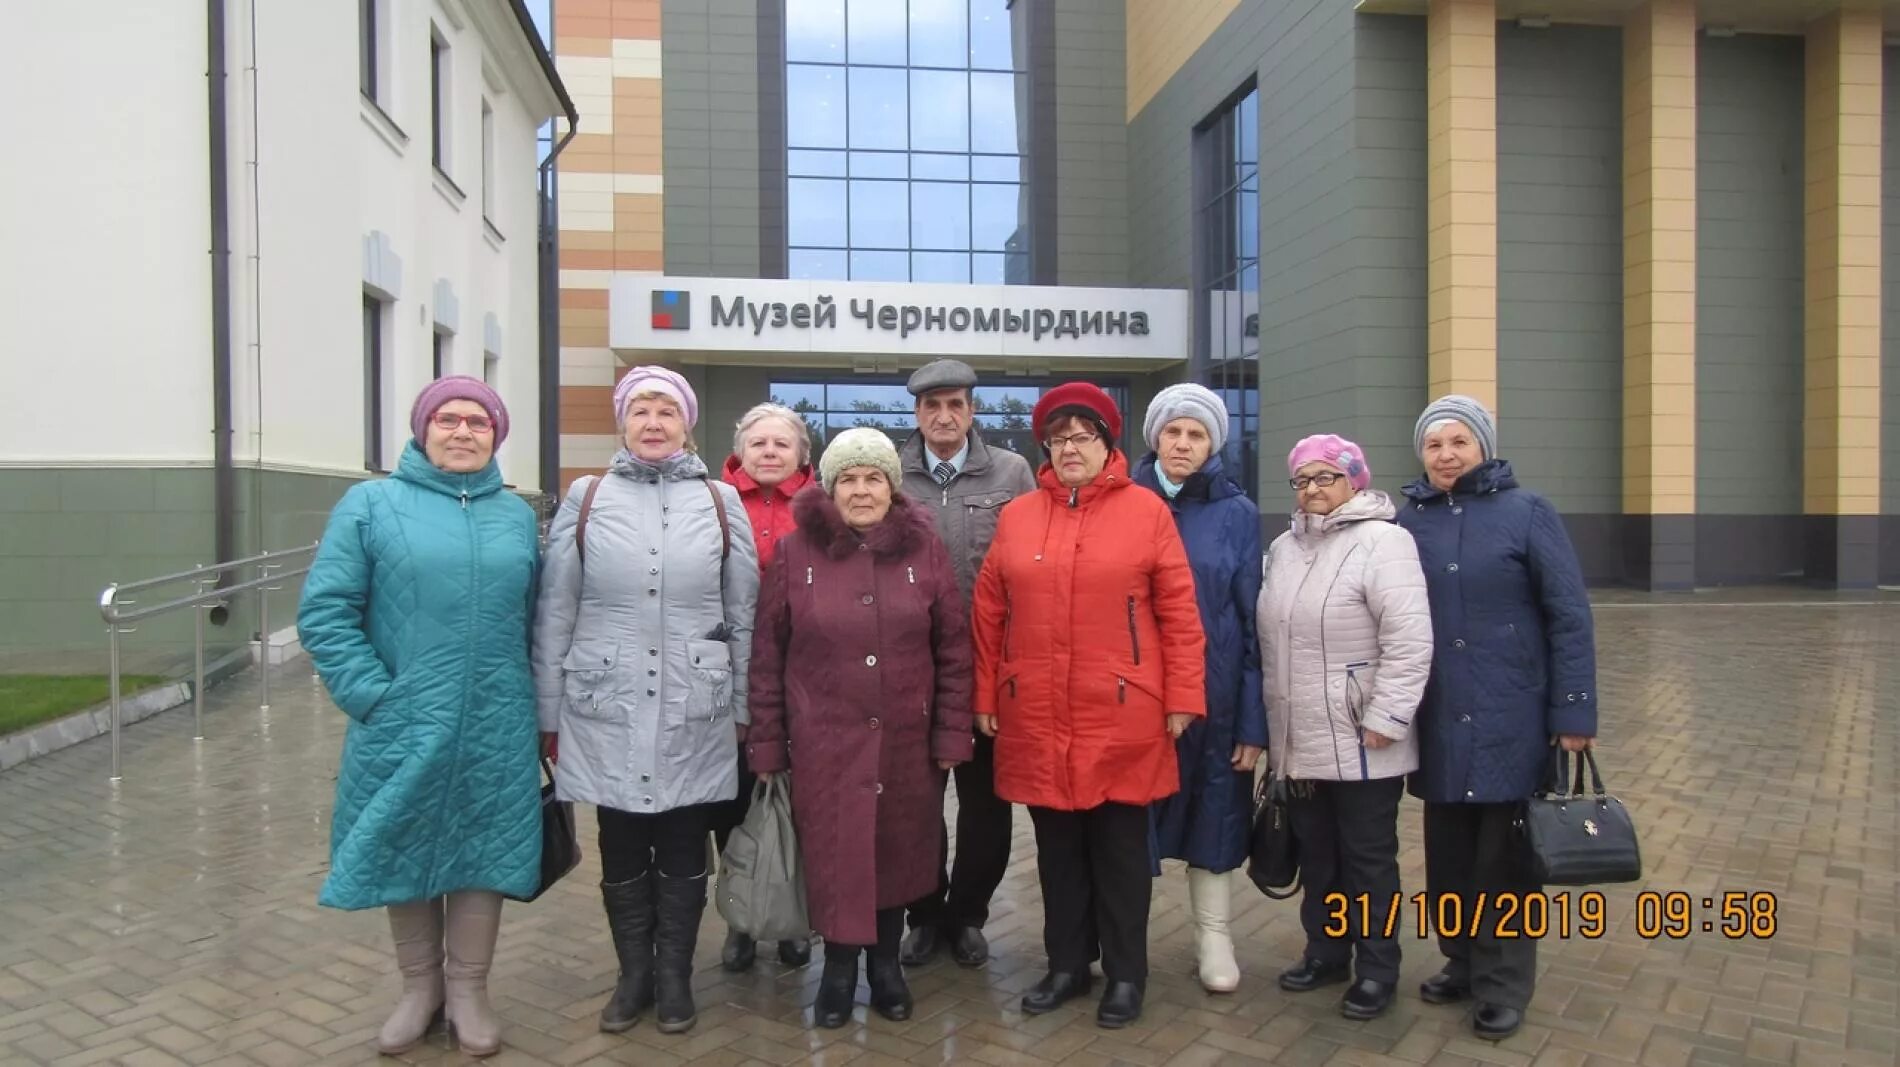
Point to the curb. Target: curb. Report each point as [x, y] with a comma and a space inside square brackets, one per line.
[96, 721]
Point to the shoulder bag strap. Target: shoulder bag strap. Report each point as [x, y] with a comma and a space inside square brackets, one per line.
[580, 524]
[725, 531]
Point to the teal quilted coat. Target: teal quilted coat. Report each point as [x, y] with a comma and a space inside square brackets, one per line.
[416, 613]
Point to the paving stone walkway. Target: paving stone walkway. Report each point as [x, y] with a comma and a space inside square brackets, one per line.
[172, 918]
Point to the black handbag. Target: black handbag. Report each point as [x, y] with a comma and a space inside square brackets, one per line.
[1579, 838]
[1273, 852]
[560, 839]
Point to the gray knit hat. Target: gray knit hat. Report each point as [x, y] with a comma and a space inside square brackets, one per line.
[860, 446]
[1185, 401]
[1463, 409]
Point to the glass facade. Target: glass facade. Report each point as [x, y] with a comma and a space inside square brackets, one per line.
[905, 123]
[1227, 278]
[832, 406]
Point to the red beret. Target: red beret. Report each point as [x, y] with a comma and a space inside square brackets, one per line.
[1078, 394]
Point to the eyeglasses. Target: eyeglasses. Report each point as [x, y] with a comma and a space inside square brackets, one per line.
[451, 422]
[1079, 440]
[1324, 479]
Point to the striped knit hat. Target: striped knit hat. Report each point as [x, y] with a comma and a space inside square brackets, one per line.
[1459, 408]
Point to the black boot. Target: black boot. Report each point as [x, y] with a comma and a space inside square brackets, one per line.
[890, 996]
[739, 952]
[796, 953]
[682, 902]
[630, 916]
[837, 987]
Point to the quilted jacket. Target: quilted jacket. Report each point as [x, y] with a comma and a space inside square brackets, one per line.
[1516, 644]
[1206, 823]
[1345, 641]
[640, 655]
[415, 613]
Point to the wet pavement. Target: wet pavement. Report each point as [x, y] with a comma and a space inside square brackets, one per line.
[1753, 733]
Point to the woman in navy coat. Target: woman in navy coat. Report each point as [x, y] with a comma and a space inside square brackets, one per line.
[1206, 823]
[1513, 675]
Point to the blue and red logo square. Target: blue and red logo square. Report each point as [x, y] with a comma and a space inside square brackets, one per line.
[672, 309]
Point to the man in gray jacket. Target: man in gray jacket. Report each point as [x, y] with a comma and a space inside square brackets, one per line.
[947, 465]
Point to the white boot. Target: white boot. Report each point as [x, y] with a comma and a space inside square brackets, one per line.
[416, 928]
[472, 921]
[1214, 950]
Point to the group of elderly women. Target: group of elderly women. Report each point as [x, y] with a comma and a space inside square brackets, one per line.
[682, 633]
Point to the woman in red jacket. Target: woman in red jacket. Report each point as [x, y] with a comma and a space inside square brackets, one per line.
[770, 463]
[1089, 663]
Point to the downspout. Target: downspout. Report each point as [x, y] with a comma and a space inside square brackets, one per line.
[550, 305]
[224, 472]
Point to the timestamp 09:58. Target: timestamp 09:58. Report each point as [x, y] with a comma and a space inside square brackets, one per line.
[1538, 915]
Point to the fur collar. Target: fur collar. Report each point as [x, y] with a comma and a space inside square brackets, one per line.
[901, 533]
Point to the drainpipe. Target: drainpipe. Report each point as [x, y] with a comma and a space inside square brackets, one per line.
[550, 367]
[224, 472]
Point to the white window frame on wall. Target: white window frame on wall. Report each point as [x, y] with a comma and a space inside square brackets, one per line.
[488, 162]
[441, 102]
[377, 382]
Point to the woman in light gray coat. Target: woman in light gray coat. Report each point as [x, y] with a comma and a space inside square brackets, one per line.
[642, 639]
[1346, 647]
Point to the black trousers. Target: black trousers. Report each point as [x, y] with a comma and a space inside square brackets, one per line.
[890, 931]
[1472, 849]
[1349, 844]
[1093, 866]
[728, 814]
[674, 841]
[983, 828]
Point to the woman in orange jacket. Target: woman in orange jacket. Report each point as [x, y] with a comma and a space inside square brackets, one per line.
[1089, 663]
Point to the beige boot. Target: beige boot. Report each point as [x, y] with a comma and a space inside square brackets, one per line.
[416, 928]
[474, 918]
[1214, 950]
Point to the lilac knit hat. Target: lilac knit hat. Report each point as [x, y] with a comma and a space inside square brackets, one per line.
[457, 387]
[1335, 451]
[639, 380]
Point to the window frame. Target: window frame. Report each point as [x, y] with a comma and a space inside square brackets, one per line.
[441, 102]
[374, 319]
[488, 162]
[1220, 264]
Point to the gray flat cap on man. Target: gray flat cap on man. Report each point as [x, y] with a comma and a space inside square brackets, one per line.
[942, 374]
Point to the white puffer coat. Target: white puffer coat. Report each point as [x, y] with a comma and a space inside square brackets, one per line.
[1345, 643]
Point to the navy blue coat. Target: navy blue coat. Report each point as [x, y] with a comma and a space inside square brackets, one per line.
[1515, 657]
[1206, 823]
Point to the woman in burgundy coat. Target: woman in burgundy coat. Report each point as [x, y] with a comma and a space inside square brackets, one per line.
[861, 678]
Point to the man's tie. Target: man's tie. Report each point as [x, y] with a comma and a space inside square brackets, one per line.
[944, 472]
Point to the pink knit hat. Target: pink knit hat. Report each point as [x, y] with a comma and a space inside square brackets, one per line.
[456, 387]
[1334, 451]
[639, 380]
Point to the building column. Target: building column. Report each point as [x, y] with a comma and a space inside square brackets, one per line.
[1659, 294]
[1841, 425]
[1462, 190]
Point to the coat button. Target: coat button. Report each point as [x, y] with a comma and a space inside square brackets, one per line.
[873, 724]
[1452, 567]
[653, 651]
[653, 592]
[1572, 697]
[651, 672]
[646, 778]
[649, 801]
[1468, 794]
[650, 692]
[867, 598]
[879, 788]
[1458, 642]
[870, 661]
[1459, 510]
[653, 551]
[653, 570]
[1464, 718]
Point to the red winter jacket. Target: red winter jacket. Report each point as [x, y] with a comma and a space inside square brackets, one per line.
[769, 509]
[1087, 636]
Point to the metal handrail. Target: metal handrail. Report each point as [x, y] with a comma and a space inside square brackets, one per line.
[210, 594]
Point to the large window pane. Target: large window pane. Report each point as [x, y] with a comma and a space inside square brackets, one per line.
[1247, 130]
[806, 164]
[812, 264]
[814, 30]
[878, 165]
[995, 215]
[941, 167]
[1247, 218]
[991, 38]
[994, 104]
[880, 266]
[815, 210]
[940, 267]
[939, 215]
[879, 118]
[996, 168]
[999, 268]
[880, 215]
[877, 32]
[814, 107]
[939, 110]
[938, 32]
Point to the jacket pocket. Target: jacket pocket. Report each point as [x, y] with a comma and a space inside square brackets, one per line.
[711, 662]
[588, 679]
[1134, 633]
[1356, 690]
[980, 511]
[1140, 715]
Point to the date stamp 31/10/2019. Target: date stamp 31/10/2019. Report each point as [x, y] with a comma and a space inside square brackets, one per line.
[1734, 914]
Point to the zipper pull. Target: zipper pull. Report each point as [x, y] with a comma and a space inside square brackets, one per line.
[1121, 690]
[808, 575]
[464, 500]
[1073, 494]
[913, 574]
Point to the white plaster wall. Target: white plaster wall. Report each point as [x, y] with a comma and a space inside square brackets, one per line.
[105, 336]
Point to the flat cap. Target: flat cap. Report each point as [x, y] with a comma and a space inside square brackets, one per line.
[942, 374]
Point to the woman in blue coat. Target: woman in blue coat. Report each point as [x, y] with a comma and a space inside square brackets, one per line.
[1206, 823]
[416, 615]
[1513, 675]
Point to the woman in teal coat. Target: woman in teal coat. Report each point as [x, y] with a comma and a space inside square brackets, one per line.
[416, 614]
